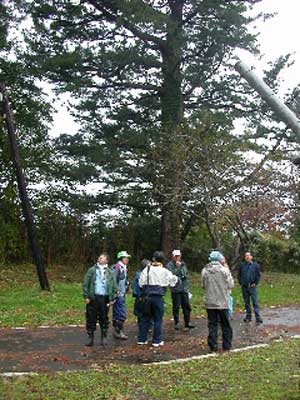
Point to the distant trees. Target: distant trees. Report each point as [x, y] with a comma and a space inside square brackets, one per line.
[152, 86]
[137, 70]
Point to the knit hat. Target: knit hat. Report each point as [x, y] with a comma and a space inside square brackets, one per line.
[159, 256]
[145, 263]
[215, 256]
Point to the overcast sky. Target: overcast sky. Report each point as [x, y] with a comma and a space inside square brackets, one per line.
[277, 36]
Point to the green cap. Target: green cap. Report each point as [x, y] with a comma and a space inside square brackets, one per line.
[123, 254]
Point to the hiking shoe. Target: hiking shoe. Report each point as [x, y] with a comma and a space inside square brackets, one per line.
[259, 320]
[247, 319]
[176, 327]
[158, 344]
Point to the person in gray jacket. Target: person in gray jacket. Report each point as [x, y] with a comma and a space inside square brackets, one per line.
[217, 282]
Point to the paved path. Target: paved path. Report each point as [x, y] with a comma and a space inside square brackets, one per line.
[62, 348]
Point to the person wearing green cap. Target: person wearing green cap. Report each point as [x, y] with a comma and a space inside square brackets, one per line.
[119, 308]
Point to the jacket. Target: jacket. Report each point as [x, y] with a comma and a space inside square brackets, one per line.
[248, 274]
[89, 284]
[119, 271]
[159, 279]
[135, 289]
[183, 277]
[217, 282]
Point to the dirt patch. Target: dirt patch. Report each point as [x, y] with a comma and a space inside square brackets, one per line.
[62, 348]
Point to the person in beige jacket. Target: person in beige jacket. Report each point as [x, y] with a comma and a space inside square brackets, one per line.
[217, 282]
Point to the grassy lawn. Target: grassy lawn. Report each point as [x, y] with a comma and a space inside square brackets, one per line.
[266, 373]
[24, 304]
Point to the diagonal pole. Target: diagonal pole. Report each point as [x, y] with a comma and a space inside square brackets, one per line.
[26, 206]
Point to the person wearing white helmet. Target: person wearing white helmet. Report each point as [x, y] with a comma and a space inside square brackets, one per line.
[120, 270]
[181, 292]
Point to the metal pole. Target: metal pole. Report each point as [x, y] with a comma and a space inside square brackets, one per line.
[280, 109]
[27, 211]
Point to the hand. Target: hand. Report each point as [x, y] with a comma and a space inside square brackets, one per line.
[253, 285]
[87, 301]
[178, 263]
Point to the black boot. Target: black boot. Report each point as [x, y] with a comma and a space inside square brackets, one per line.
[90, 341]
[118, 326]
[103, 340]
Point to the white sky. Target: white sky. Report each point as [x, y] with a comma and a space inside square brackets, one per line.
[277, 36]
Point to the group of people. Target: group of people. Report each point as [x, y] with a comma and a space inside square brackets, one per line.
[106, 286]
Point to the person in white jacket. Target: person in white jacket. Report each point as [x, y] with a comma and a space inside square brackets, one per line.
[154, 281]
[217, 282]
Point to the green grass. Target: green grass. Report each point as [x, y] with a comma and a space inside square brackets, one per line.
[24, 304]
[266, 373]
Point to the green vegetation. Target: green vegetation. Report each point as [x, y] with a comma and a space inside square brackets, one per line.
[24, 304]
[268, 373]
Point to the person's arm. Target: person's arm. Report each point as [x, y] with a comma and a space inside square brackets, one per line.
[171, 278]
[86, 284]
[257, 275]
[143, 278]
[230, 280]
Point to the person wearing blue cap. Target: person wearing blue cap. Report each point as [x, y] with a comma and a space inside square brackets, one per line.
[119, 307]
[217, 282]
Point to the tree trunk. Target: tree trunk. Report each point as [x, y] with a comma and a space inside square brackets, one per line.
[171, 117]
[27, 211]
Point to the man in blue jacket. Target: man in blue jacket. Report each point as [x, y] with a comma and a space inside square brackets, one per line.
[249, 277]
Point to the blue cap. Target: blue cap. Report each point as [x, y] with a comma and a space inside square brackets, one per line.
[215, 256]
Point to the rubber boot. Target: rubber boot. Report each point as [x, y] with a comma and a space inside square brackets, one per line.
[103, 340]
[123, 335]
[90, 341]
[118, 326]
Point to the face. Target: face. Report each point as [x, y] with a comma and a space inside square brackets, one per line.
[223, 260]
[125, 261]
[177, 258]
[248, 257]
[102, 259]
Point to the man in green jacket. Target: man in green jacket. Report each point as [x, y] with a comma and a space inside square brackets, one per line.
[99, 291]
[180, 292]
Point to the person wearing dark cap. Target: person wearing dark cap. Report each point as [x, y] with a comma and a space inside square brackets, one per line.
[119, 308]
[154, 281]
[217, 282]
[181, 292]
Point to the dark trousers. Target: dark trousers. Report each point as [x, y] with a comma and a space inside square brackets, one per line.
[181, 299]
[97, 310]
[157, 314]
[215, 315]
[250, 293]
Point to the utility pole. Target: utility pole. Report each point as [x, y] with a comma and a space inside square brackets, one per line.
[280, 109]
[26, 206]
